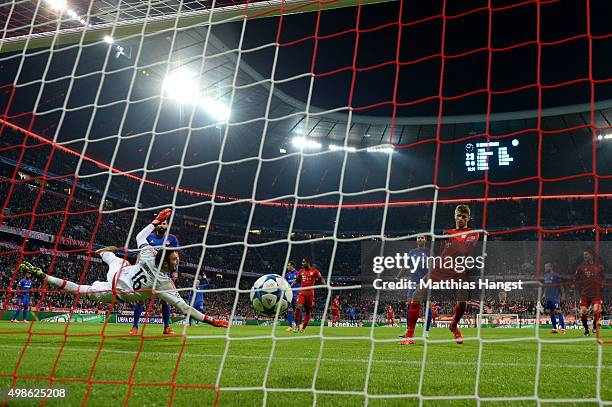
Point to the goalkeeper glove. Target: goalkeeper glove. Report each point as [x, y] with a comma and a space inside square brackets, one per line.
[25, 267]
[162, 216]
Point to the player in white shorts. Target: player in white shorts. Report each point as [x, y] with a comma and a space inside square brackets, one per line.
[133, 283]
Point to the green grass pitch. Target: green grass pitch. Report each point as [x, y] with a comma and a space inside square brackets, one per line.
[568, 369]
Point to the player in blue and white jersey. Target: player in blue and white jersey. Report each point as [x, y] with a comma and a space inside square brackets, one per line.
[23, 297]
[553, 291]
[420, 253]
[198, 298]
[290, 276]
[158, 238]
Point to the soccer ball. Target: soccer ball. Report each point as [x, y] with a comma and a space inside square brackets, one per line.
[269, 294]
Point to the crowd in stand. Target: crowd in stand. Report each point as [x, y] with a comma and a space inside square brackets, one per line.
[72, 211]
[222, 297]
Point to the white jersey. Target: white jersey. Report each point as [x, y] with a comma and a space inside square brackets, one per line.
[133, 283]
[136, 283]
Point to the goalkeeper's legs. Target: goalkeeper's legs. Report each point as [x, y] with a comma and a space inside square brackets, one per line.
[173, 298]
[100, 291]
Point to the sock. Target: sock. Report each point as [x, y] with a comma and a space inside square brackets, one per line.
[166, 314]
[553, 320]
[459, 310]
[429, 319]
[16, 314]
[413, 315]
[25, 314]
[65, 285]
[306, 320]
[585, 323]
[562, 321]
[596, 321]
[298, 316]
[138, 308]
[290, 318]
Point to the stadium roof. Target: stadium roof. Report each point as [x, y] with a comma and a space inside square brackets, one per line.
[124, 111]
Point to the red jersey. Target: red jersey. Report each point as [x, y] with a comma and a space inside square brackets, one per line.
[308, 278]
[390, 313]
[460, 245]
[336, 303]
[455, 246]
[589, 279]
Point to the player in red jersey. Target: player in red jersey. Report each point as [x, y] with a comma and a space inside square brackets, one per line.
[335, 309]
[455, 246]
[390, 316]
[308, 276]
[589, 279]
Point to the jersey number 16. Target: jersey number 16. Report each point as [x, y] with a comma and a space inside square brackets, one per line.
[139, 279]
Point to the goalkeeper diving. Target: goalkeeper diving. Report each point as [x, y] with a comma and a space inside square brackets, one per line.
[133, 283]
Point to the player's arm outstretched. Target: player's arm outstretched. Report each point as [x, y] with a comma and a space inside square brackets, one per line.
[296, 280]
[103, 291]
[167, 261]
[321, 279]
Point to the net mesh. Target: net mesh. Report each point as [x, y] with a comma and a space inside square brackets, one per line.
[95, 141]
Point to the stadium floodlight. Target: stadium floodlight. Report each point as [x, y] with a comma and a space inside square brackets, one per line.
[108, 39]
[334, 147]
[282, 151]
[58, 5]
[380, 149]
[180, 86]
[302, 142]
[215, 108]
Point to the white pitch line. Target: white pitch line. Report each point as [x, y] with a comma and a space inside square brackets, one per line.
[304, 359]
